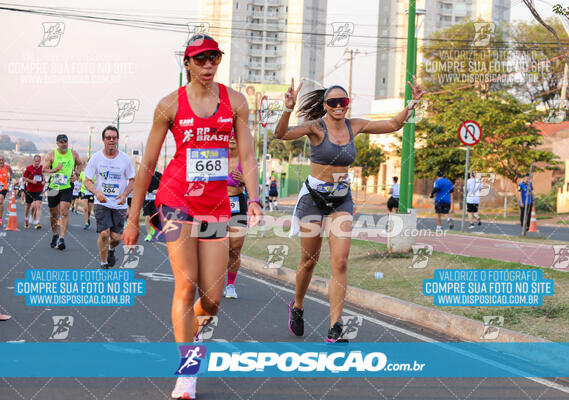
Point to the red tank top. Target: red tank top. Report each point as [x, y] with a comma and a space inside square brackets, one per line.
[4, 177]
[36, 175]
[196, 178]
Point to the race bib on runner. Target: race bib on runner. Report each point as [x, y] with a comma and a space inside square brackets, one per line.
[336, 189]
[60, 179]
[150, 196]
[38, 178]
[111, 189]
[206, 165]
[234, 203]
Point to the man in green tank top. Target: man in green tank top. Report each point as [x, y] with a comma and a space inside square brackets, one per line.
[61, 163]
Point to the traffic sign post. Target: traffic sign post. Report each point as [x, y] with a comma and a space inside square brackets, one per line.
[264, 111]
[469, 134]
[264, 118]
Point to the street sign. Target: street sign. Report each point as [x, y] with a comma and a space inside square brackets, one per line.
[469, 133]
[264, 111]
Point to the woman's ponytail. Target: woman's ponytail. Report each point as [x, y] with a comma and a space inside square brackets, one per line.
[312, 104]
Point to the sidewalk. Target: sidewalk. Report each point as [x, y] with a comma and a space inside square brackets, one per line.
[372, 203]
[540, 255]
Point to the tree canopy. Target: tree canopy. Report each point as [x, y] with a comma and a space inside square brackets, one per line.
[509, 140]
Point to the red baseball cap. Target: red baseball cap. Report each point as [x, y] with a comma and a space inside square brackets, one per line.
[200, 45]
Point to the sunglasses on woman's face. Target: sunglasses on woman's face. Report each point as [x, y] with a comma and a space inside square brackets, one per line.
[338, 102]
[202, 58]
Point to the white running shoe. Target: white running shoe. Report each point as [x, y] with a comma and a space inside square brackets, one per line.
[185, 388]
[229, 292]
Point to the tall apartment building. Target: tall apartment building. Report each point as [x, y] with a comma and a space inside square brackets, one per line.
[267, 41]
[440, 14]
[390, 79]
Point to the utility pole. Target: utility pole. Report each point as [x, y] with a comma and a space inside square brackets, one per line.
[565, 23]
[465, 189]
[239, 85]
[564, 88]
[257, 123]
[407, 150]
[91, 129]
[180, 60]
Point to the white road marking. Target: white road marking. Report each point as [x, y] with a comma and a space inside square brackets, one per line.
[423, 338]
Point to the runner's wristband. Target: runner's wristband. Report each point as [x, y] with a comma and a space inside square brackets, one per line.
[286, 109]
[255, 200]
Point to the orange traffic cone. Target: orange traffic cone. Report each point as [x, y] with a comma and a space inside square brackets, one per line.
[533, 222]
[12, 215]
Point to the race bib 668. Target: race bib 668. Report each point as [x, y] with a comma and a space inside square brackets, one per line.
[206, 164]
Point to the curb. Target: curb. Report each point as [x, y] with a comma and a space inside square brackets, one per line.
[462, 328]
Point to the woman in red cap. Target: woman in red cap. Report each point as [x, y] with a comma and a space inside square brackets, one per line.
[192, 199]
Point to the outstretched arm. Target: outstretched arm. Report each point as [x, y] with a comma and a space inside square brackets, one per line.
[360, 125]
[283, 131]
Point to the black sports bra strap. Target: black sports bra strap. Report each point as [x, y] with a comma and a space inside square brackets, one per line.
[324, 127]
[349, 129]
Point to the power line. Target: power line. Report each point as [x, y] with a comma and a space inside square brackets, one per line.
[85, 118]
[183, 28]
[87, 121]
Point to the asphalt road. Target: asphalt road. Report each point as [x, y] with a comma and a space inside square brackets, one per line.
[259, 314]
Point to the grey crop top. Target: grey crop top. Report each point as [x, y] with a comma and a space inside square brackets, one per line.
[328, 153]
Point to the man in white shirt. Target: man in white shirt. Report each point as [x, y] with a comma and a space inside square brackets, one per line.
[473, 186]
[115, 180]
[393, 201]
